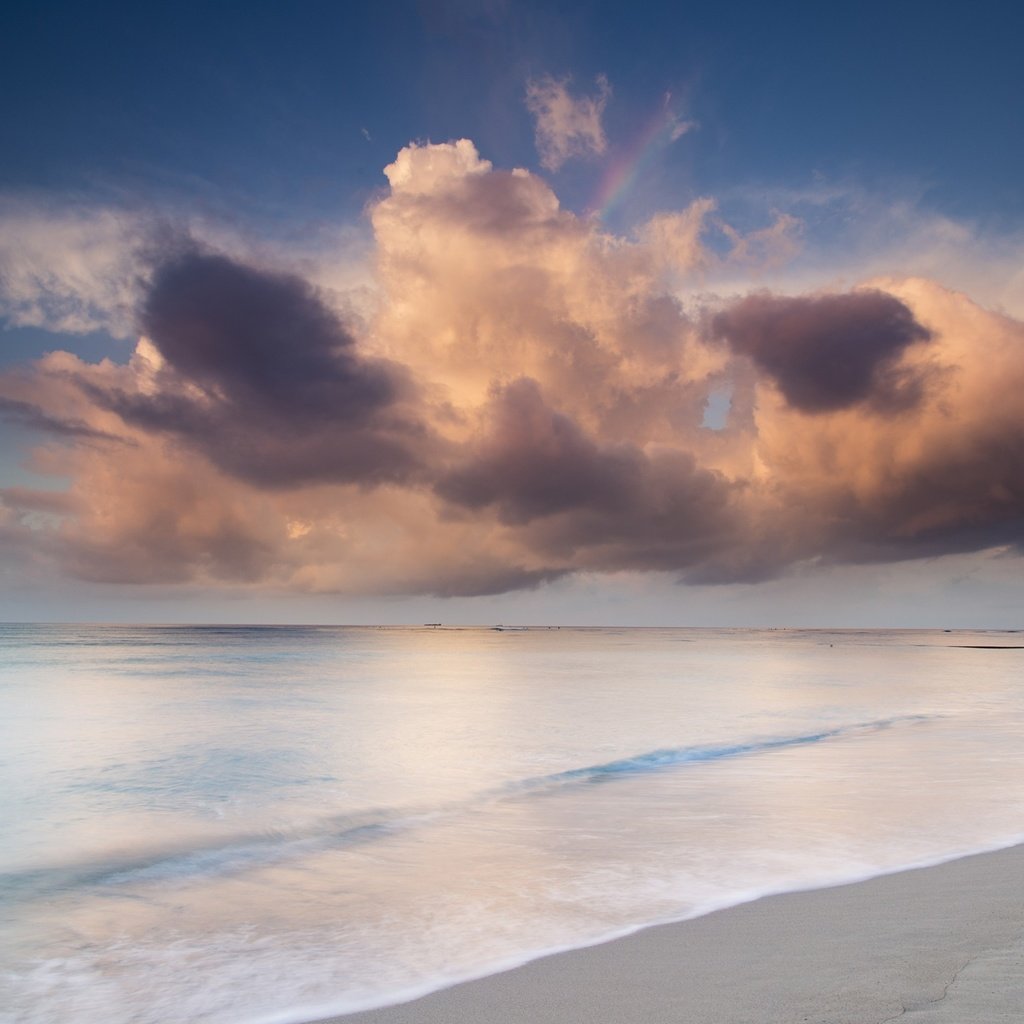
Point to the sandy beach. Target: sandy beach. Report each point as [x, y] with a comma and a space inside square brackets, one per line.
[931, 945]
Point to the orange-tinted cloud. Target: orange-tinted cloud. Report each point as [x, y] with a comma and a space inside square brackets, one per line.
[567, 125]
[523, 400]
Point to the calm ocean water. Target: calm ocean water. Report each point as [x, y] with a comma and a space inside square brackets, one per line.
[275, 824]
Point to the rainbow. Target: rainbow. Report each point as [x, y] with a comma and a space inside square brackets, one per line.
[627, 166]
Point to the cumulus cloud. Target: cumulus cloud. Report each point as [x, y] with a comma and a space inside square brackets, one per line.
[524, 400]
[251, 368]
[584, 504]
[831, 351]
[535, 462]
[567, 126]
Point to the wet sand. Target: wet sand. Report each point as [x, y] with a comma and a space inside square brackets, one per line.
[936, 945]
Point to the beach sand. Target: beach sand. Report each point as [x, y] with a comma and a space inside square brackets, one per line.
[937, 944]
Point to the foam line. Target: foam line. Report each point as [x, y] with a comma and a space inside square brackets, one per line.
[254, 851]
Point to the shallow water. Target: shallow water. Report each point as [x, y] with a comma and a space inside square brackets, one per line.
[277, 823]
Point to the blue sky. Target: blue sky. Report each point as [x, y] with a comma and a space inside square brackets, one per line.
[831, 148]
[260, 108]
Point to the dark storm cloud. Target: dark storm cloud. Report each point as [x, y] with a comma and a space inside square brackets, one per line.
[828, 352]
[586, 505]
[265, 341]
[535, 462]
[264, 379]
[960, 499]
[581, 504]
[673, 515]
[484, 579]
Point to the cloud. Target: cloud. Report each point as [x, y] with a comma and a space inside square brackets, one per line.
[69, 270]
[848, 234]
[536, 462]
[28, 415]
[28, 499]
[829, 352]
[522, 400]
[946, 478]
[585, 504]
[166, 520]
[679, 128]
[79, 269]
[251, 368]
[567, 126]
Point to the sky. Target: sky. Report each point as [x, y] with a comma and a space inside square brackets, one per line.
[479, 311]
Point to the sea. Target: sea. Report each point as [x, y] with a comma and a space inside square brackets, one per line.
[267, 825]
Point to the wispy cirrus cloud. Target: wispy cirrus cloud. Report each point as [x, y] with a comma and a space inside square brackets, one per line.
[68, 269]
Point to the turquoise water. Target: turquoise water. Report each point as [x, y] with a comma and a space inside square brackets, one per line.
[242, 824]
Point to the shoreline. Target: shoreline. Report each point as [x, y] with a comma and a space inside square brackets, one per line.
[936, 944]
